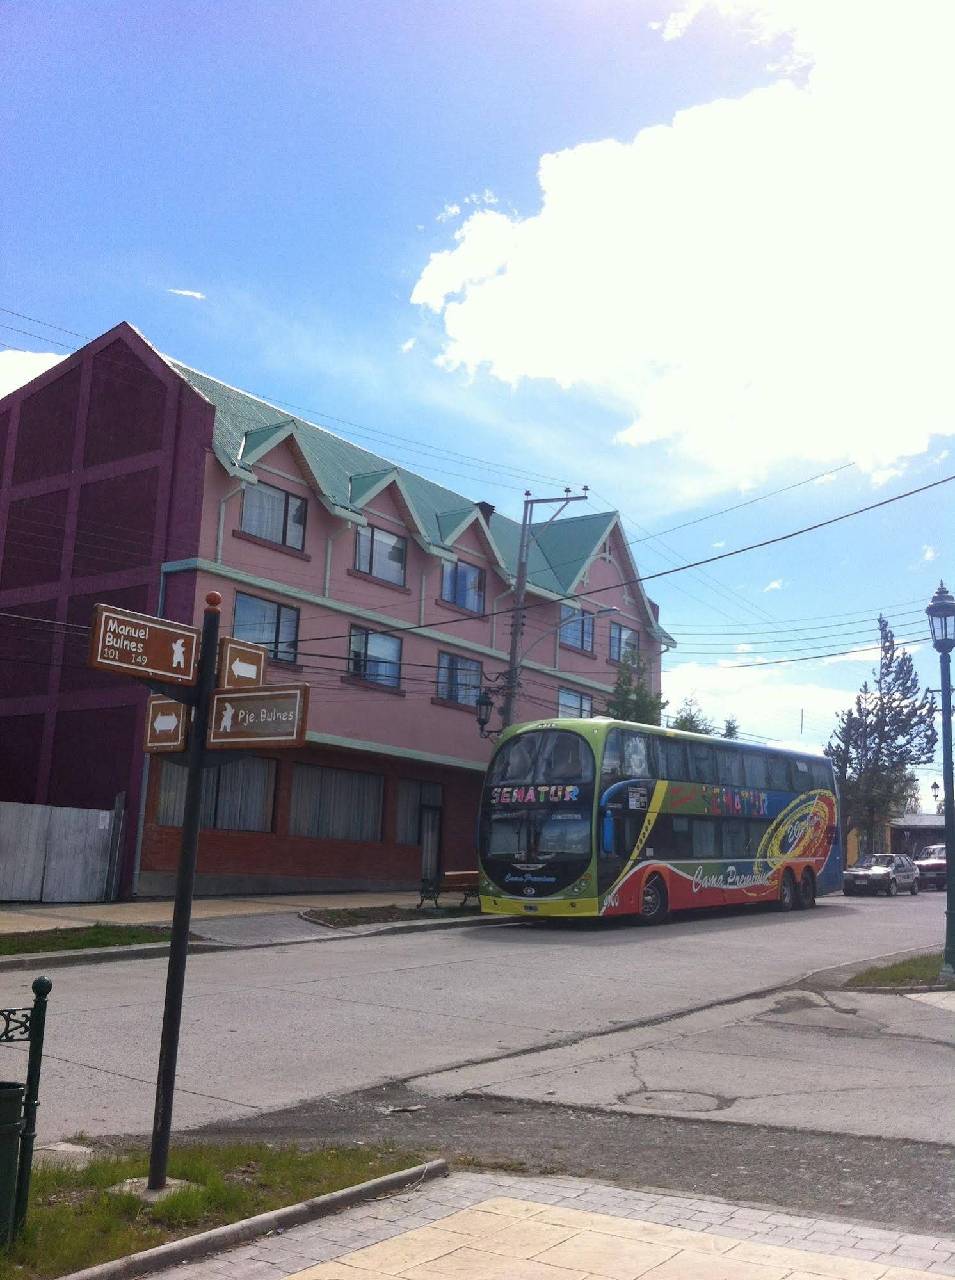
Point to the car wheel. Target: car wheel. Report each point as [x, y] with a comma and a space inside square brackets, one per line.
[891, 889]
[807, 891]
[654, 906]
[850, 893]
[787, 892]
[915, 888]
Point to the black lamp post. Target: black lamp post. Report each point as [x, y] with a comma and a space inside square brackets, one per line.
[483, 708]
[941, 617]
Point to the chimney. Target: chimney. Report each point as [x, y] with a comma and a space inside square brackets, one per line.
[486, 509]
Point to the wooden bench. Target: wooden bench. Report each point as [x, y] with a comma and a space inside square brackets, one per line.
[463, 882]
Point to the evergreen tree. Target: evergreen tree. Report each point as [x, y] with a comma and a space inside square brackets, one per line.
[731, 727]
[876, 743]
[632, 698]
[690, 718]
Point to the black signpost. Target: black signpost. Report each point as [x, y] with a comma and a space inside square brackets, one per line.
[149, 649]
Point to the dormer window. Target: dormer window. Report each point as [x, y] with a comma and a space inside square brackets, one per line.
[274, 515]
[381, 555]
[463, 584]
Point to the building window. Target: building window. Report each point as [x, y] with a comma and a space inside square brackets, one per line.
[380, 554]
[570, 703]
[235, 797]
[463, 584]
[375, 656]
[576, 628]
[335, 804]
[412, 798]
[264, 622]
[274, 515]
[459, 679]
[623, 640]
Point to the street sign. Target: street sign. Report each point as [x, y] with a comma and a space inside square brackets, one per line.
[139, 645]
[240, 664]
[270, 715]
[166, 724]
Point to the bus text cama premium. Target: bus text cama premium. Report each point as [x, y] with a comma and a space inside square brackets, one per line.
[603, 818]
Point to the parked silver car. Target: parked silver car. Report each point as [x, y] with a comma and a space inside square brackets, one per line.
[932, 866]
[881, 873]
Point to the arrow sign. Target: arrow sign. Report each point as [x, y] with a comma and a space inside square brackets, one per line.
[137, 644]
[166, 724]
[241, 664]
[269, 715]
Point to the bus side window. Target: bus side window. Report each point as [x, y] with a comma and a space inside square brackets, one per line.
[802, 778]
[734, 838]
[729, 767]
[636, 756]
[821, 774]
[754, 768]
[676, 761]
[671, 839]
[701, 762]
[755, 831]
[706, 841]
[778, 770]
[611, 768]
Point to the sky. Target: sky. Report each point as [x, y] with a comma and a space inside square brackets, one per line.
[686, 252]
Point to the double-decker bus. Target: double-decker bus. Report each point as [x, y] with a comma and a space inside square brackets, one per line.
[604, 818]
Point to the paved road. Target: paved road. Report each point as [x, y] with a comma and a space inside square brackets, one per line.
[265, 1029]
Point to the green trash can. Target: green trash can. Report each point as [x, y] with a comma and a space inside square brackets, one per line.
[11, 1123]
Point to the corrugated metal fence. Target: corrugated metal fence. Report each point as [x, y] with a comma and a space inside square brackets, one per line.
[50, 854]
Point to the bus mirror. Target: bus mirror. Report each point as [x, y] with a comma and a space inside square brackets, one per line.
[606, 833]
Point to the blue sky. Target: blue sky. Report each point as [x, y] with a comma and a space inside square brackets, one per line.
[684, 252]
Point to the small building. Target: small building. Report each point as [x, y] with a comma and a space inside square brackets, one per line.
[913, 831]
[132, 479]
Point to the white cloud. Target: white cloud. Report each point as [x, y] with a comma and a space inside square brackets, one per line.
[728, 280]
[408, 345]
[448, 212]
[929, 553]
[721, 543]
[19, 367]
[744, 648]
[188, 293]
[775, 585]
[764, 703]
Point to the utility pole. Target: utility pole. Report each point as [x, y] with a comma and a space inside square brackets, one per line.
[520, 590]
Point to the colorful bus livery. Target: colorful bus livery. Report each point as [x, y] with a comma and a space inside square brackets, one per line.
[600, 818]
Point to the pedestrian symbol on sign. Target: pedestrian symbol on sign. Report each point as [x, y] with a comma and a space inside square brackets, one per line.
[225, 724]
[178, 654]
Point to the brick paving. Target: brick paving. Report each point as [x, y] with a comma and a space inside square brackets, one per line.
[573, 1229]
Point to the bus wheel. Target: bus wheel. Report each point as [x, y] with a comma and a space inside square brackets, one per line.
[787, 892]
[654, 907]
[807, 891]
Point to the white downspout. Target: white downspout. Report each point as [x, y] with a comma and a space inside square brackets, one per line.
[220, 532]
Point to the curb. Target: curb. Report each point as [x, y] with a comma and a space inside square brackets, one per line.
[219, 1238]
[96, 955]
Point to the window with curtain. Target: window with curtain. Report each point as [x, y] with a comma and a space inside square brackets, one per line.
[412, 798]
[623, 640]
[576, 628]
[571, 704]
[335, 804]
[273, 514]
[380, 554]
[463, 584]
[264, 622]
[374, 656]
[459, 679]
[235, 797]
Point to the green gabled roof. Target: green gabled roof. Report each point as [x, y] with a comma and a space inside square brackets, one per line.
[346, 473]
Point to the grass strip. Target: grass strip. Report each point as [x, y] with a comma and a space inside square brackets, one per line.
[915, 971]
[94, 935]
[342, 917]
[75, 1222]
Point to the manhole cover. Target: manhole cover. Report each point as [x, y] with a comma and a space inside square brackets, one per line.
[672, 1100]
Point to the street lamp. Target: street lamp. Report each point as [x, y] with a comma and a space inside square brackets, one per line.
[935, 790]
[941, 618]
[483, 708]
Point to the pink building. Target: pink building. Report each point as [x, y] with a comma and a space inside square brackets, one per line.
[130, 478]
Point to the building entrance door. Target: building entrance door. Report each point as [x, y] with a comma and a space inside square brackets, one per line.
[430, 843]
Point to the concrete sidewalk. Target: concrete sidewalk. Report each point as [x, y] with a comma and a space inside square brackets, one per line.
[495, 1226]
[26, 918]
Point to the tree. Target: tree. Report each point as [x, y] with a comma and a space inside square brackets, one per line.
[731, 727]
[690, 718]
[879, 740]
[632, 698]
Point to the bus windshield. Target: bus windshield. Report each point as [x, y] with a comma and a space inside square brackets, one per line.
[537, 813]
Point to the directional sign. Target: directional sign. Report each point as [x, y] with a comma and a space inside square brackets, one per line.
[270, 715]
[140, 645]
[240, 664]
[166, 723]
